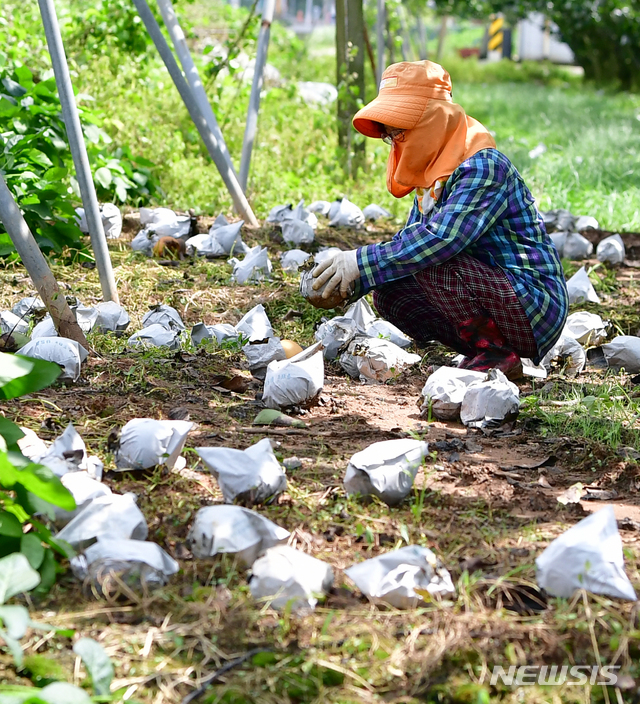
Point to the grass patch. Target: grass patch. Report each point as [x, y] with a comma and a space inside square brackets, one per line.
[606, 412]
[591, 140]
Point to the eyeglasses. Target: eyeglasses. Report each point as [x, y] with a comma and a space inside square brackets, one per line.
[395, 135]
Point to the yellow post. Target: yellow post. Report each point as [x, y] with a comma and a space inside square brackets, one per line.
[496, 34]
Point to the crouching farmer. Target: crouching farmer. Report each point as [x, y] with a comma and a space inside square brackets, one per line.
[473, 268]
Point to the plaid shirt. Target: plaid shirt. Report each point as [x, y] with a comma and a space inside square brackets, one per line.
[487, 211]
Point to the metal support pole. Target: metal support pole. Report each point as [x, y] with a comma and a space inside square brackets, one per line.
[256, 88]
[422, 38]
[407, 49]
[380, 25]
[193, 77]
[37, 268]
[441, 37]
[228, 176]
[78, 150]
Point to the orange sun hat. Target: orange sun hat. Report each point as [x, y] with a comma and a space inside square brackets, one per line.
[439, 135]
[405, 89]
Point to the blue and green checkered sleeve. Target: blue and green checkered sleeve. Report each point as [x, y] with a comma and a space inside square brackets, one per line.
[477, 198]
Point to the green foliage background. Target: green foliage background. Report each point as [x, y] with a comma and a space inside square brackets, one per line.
[592, 137]
[604, 35]
[35, 158]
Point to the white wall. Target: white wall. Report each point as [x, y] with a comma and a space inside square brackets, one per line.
[534, 44]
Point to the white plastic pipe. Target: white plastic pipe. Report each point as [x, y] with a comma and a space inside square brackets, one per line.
[78, 150]
[37, 267]
[422, 37]
[251, 127]
[193, 77]
[213, 147]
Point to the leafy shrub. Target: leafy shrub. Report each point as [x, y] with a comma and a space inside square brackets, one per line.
[241, 36]
[604, 35]
[122, 176]
[540, 72]
[98, 27]
[27, 561]
[36, 161]
[26, 488]
[22, 35]
[34, 158]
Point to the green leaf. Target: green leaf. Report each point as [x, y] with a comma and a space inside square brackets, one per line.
[9, 545]
[24, 75]
[14, 89]
[140, 178]
[16, 576]
[97, 663]
[7, 108]
[23, 375]
[121, 191]
[13, 367]
[47, 573]
[18, 694]
[31, 547]
[263, 659]
[10, 525]
[15, 650]
[17, 459]
[6, 245]
[42, 482]
[92, 133]
[34, 505]
[15, 619]
[141, 161]
[62, 693]
[41, 209]
[39, 158]
[37, 479]
[57, 173]
[10, 431]
[103, 177]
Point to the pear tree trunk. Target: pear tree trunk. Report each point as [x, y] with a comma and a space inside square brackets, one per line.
[350, 58]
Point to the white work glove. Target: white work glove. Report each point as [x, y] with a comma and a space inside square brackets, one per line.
[341, 270]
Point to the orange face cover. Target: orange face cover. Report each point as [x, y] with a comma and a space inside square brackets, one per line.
[439, 136]
[444, 137]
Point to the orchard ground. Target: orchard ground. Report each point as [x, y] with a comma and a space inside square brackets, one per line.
[487, 508]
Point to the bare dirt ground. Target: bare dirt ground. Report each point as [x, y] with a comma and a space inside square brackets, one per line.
[486, 504]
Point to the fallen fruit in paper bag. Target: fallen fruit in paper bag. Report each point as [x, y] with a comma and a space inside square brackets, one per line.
[404, 578]
[296, 381]
[137, 563]
[334, 300]
[285, 576]
[385, 469]
[235, 530]
[251, 476]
